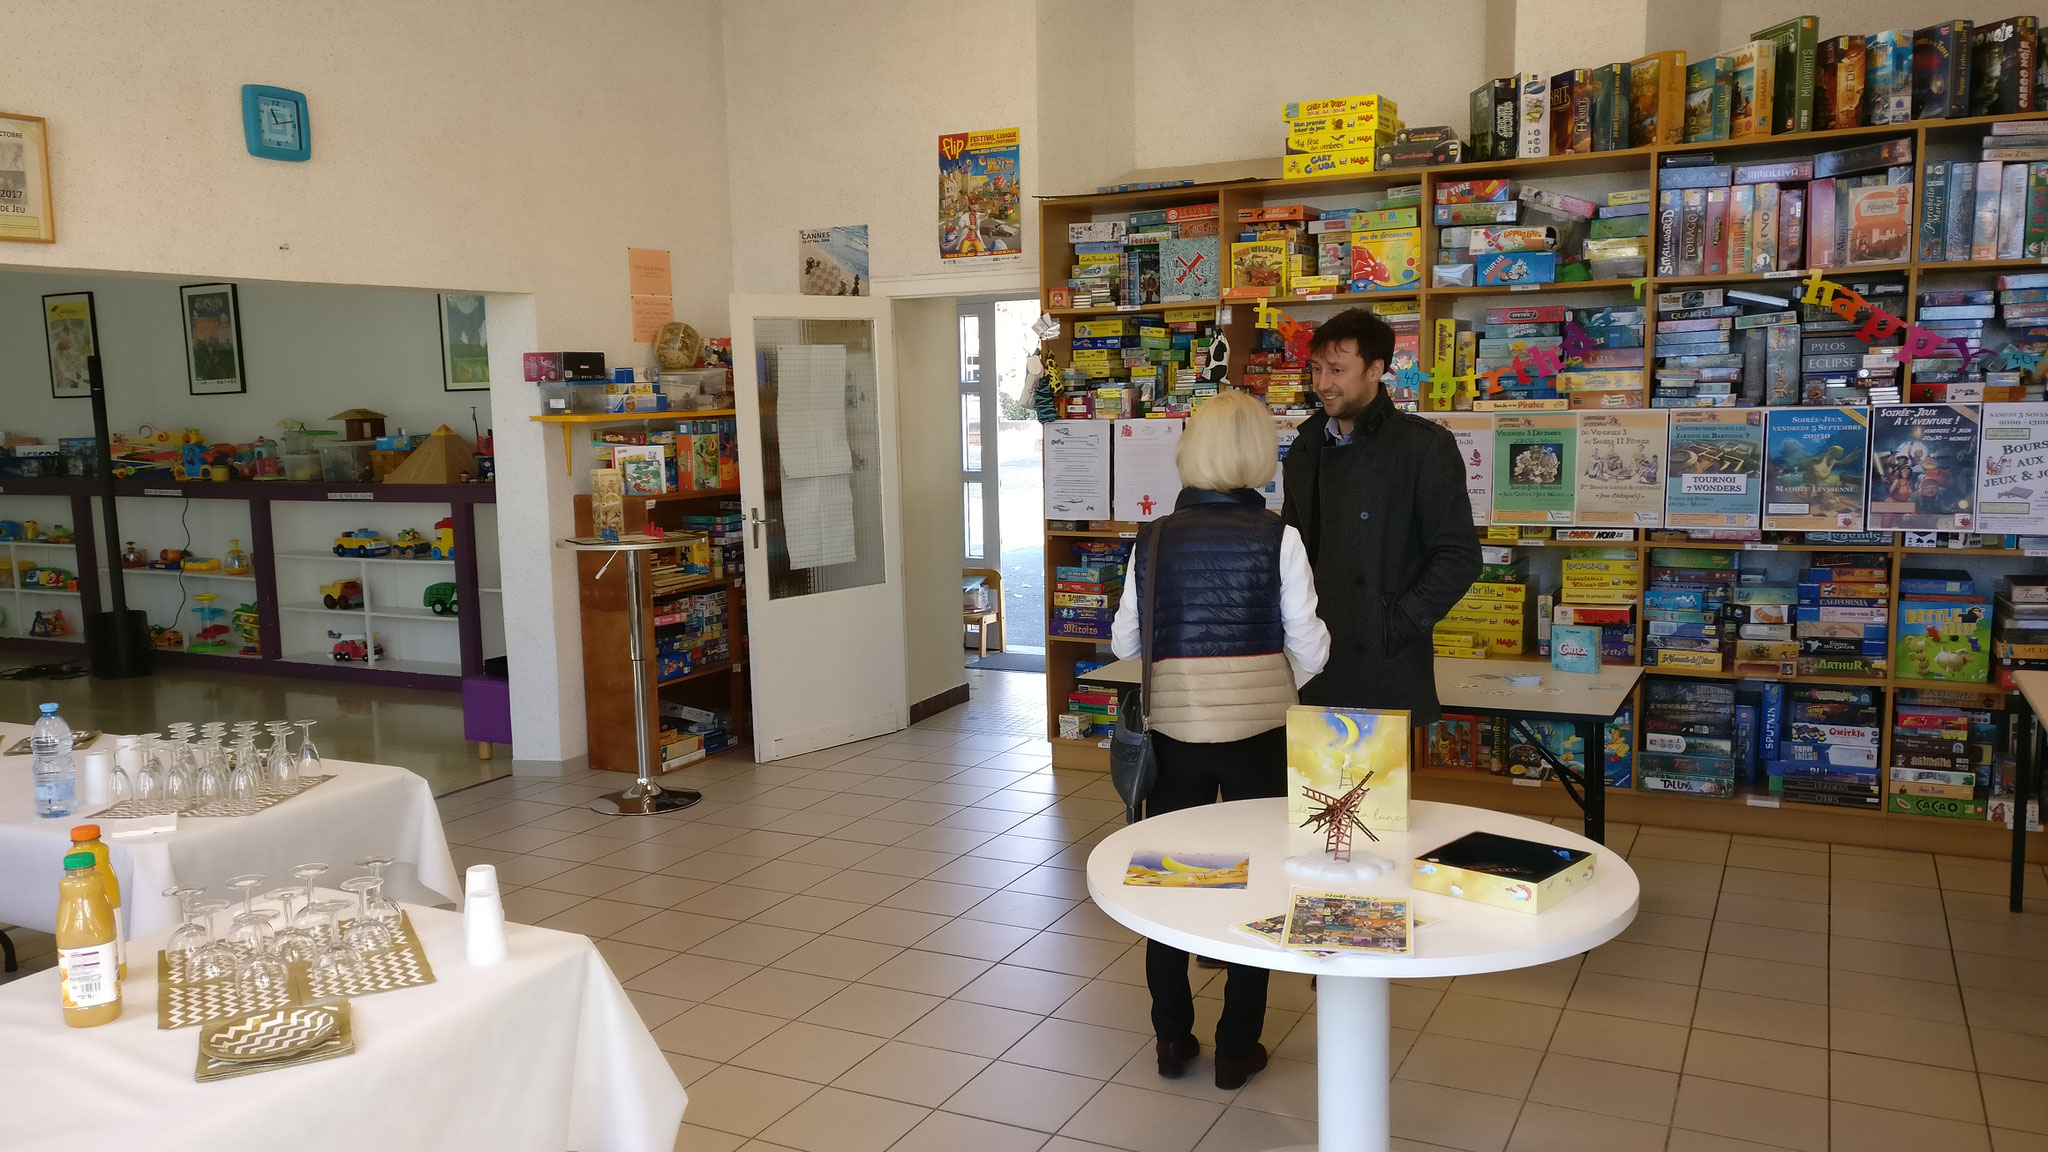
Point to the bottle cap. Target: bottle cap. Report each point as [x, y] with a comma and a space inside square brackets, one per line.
[84, 832]
[49, 709]
[79, 860]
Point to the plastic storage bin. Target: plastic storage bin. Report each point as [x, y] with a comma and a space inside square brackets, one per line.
[346, 461]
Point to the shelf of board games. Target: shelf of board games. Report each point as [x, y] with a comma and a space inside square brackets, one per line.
[717, 686]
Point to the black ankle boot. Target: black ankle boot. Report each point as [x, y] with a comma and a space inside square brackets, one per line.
[1234, 1068]
[1174, 1055]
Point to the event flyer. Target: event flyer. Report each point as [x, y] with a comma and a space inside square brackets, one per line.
[1621, 468]
[1716, 460]
[1813, 481]
[2012, 472]
[1474, 433]
[1146, 481]
[1077, 470]
[1533, 458]
[980, 204]
[1275, 491]
[1923, 468]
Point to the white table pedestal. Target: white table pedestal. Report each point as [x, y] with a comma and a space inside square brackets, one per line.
[1354, 1077]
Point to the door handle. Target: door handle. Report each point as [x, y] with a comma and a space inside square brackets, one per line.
[756, 519]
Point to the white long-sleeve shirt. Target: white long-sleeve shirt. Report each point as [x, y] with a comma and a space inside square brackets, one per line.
[1308, 641]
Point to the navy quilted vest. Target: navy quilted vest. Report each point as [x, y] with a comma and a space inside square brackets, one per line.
[1219, 586]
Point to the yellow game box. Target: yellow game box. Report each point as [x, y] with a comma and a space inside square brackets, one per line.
[1370, 104]
[1502, 871]
[1352, 160]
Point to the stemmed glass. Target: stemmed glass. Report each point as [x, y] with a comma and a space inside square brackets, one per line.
[281, 768]
[252, 935]
[213, 960]
[245, 884]
[263, 972]
[149, 780]
[307, 918]
[208, 783]
[309, 756]
[243, 781]
[190, 935]
[120, 788]
[366, 933]
[380, 906]
[292, 944]
[335, 959]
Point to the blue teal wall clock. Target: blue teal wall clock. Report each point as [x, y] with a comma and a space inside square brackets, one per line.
[274, 123]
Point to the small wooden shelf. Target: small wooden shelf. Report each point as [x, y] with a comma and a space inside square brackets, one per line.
[1788, 276]
[1111, 311]
[685, 497]
[708, 670]
[569, 422]
[1537, 289]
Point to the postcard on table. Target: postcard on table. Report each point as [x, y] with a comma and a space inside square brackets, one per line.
[1347, 922]
[1188, 870]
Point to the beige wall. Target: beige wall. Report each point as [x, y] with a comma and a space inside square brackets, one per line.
[510, 146]
[928, 440]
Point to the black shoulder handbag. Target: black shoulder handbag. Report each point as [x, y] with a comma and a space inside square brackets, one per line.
[1133, 765]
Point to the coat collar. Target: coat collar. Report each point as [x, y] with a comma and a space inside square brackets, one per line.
[1190, 497]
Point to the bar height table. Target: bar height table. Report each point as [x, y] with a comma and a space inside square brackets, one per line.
[645, 797]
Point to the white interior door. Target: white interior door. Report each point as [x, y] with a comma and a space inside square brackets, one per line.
[814, 381]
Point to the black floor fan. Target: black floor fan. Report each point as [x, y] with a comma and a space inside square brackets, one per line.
[118, 641]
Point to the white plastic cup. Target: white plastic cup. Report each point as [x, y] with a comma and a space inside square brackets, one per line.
[483, 916]
[96, 777]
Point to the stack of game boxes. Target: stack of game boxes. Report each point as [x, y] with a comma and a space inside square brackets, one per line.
[1516, 332]
[1688, 737]
[1609, 373]
[1835, 210]
[1600, 590]
[2019, 636]
[1494, 616]
[1993, 208]
[1489, 235]
[1944, 627]
[1819, 743]
[1273, 252]
[1682, 607]
[1839, 367]
[1758, 618]
[1844, 606]
[1161, 256]
[1131, 366]
[728, 542]
[1976, 320]
[1085, 593]
[701, 639]
[1698, 364]
[1617, 242]
[1942, 752]
[1341, 134]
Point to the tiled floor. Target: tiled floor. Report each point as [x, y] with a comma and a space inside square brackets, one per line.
[888, 947]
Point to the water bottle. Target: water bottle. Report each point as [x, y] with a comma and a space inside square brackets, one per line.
[56, 774]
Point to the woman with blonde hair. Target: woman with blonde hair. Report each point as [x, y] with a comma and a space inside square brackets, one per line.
[1234, 634]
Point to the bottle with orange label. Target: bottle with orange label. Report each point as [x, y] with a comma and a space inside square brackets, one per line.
[88, 968]
[86, 838]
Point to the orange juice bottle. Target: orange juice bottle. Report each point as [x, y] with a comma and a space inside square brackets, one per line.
[88, 970]
[86, 838]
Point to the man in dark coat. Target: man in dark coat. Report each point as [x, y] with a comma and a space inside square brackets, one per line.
[1378, 496]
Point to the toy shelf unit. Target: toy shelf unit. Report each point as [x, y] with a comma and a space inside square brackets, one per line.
[362, 587]
[197, 585]
[695, 633]
[41, 602]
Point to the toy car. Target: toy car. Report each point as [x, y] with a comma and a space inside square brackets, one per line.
[441, 598]
[51, 623]
[444, 538]
[410, 544]
[169, 560]
[169, 638]
[361, 542]
[48, 578]
[342, 594]
[355, 647]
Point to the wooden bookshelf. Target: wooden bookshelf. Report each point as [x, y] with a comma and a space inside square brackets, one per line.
[608, 675]
[1626, 168]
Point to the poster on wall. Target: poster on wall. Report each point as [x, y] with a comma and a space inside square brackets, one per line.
[981, 211]
[1621, 469]
[1275, 491]
[26, 215]
[2012, 470]
[1534, 457]
[1077, 470]
[465, 354]
[71, 334]
[1146, 480]
[1813, 479]
[1715, 459]
[1923, 468]
[1474, 433]
[833, 261]
[213, 339]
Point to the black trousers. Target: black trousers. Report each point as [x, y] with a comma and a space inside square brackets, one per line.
[1192, 775]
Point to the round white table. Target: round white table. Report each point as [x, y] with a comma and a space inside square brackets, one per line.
[1353, 1079]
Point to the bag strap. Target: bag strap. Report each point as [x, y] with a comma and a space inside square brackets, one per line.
[1151, 577]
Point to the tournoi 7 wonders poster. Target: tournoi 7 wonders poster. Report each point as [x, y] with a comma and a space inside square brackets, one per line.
[980, 203]
[1716, 468]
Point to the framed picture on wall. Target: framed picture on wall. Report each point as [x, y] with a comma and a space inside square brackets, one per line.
[465, 355]
[212, 317]
[72, 334]
[26, 215]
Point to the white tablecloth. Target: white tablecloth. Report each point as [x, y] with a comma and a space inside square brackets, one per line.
[541, 1052]
[366, 810]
